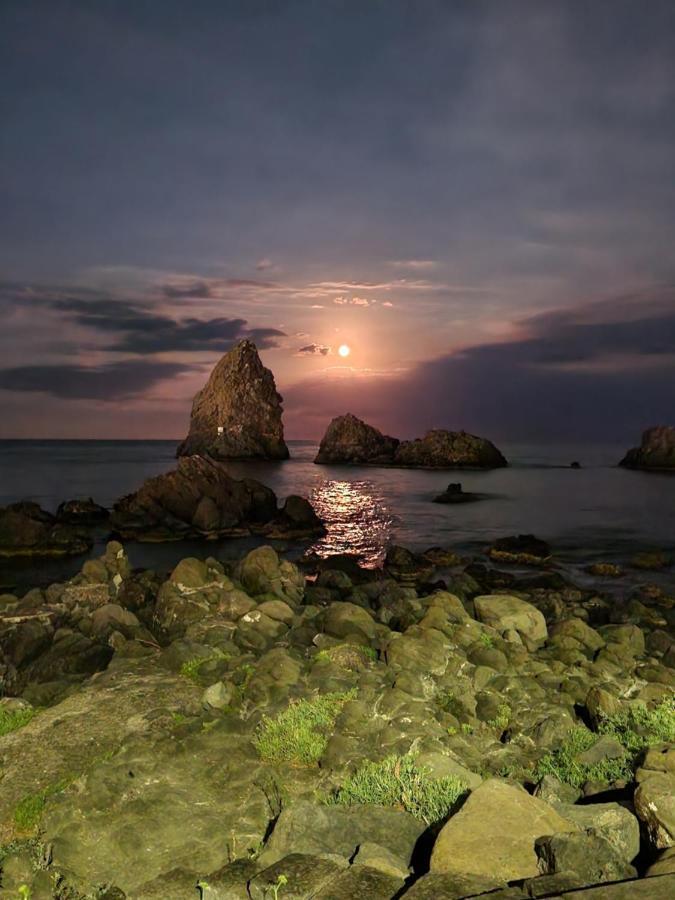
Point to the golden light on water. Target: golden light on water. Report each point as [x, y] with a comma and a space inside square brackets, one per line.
[344, 350]
[356, 518]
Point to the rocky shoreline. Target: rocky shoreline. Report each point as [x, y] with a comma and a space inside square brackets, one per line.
[444, 727]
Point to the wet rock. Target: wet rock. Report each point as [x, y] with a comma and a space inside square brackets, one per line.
[237, 414]
[525, 549]
[28, 530]
[657, 450]
[184, 502]
[349, 440]
[494, 833]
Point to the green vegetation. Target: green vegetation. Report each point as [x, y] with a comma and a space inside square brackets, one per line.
[502, 719]
[12, 719]
[277, 886]
[299, 734]
[486, 639]
[192, 667]
[329, 654]
[635, 728]
[28, 811]
[25, 892]
[399, 781]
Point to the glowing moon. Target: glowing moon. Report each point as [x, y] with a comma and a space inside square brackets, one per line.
[344, 350]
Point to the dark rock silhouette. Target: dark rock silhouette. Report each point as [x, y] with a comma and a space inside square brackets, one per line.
[350, 440]
[440, 449]
[237, 414]
[28, 530]
[454, 494]
[82, 512]
[200, 498]
[657, 450]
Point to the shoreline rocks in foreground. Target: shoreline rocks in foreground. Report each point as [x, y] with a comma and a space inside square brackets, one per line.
[237, 414]
[657, 450]
[384, 734]
[349, 440]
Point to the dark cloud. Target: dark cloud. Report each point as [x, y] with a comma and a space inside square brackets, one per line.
[138, 327]
[313, 350]
[117, 381]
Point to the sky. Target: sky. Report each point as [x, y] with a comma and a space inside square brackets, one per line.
[477, 197]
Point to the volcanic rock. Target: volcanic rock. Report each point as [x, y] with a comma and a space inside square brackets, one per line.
[237, 414]
[201, 498]
[82, 512]
[454, 494]
[349, 440]
[440, 449]
[657, 450]
[28, 530]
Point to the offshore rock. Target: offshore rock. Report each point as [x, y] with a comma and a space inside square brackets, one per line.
[657, 450]
[237, 414]
[350, 440]
[440, 449]
[28, 530]
[201, 499]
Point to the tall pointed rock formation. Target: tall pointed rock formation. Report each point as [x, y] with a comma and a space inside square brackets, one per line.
[237, 414]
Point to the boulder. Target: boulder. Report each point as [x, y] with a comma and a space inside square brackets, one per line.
[28, 530]
[262, 572]
[494, 834]
[657, 450]
[524, 549]
[237, 414]
[454, 494]
[587, 854]
[505, 613]
[440, 449]
[349, 440]
[655, 805]
[197, 498]
[82, 512]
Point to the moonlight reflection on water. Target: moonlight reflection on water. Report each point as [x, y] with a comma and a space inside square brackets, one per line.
[356, 517]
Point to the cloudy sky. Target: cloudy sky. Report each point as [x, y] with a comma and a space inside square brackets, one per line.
[477, 197]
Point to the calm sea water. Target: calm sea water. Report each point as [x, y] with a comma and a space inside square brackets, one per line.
[597, 512]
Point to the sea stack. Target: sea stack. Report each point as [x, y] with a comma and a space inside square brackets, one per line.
[657, 450]
[237, 414]
[352, 441]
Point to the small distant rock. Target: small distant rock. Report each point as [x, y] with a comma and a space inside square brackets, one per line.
[657, 450]
[454, 494]
[575, 465]
[525, 549]
[82, 512]
[237, 414]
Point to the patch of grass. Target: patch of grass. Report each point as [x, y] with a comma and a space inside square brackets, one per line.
[13, 719]
[637, 727]
[565, 766]
[400, 782]
[28, 811]
[192, 667]
[486, 640]
[466, 728]
[502, 719]
[299, 734]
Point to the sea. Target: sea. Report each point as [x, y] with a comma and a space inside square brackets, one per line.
[598, 512]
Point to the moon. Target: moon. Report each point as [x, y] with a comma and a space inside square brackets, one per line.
[344, 350]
